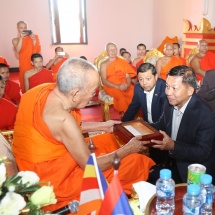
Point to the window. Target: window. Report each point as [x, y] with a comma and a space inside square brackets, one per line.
[68, 21]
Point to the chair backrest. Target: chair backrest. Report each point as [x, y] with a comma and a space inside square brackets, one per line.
[191, 54]
[152, 56]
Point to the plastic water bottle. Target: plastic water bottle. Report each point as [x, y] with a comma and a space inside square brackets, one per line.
[192, 200]
[207, 192]
[165, 192]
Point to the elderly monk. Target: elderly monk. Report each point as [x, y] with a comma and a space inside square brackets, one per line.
[116, 75]
[38, 75]
[141, 53]
[26, 44]
[176, 53]
[167, 62]
[48, 138]
[3, 60]
[204, 60]
[12, 89]
[55, 63]
[7, 110]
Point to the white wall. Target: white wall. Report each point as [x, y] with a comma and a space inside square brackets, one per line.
[127, 23]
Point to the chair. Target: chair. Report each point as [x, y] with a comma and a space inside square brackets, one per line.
[190, 55]
[152, 56]
[104, 99]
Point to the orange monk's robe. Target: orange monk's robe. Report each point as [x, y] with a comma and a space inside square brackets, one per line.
[41, 77]
[56, 67]
[139, 63]
[172, 63]
[7, 114]
[3, 60]
[207, 63]
[12, 90]
[35, 149]
[28, 48]
[183, 61]
[116, 74]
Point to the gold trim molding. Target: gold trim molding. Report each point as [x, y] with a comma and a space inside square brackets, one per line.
[204, 27]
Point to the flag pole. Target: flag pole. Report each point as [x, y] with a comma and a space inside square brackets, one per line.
[92, 148]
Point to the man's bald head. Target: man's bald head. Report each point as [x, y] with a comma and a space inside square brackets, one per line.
[203, 46]
[21, 22]
[109, 45]
[168, 49]
[75, 73]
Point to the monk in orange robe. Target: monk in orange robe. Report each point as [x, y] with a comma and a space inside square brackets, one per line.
[8, 110]
[26, 44]
[55, 63]
[141, 53]
[116, 75]
[37, 75]
[3, 60]
[49, 141]
[203, 61]
[167, 62]
[176, 53]
[12, 89]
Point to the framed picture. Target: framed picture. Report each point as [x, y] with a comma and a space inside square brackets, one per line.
[127, 130]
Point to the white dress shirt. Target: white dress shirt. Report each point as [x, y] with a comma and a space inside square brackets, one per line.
[149, 96]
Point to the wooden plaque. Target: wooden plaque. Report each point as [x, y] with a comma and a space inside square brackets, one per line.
[127, 130]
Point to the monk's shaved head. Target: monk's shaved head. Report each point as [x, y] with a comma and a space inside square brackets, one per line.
[202, 41]
[168, 45]
[110, 44]
[21, 22]
[75, 73]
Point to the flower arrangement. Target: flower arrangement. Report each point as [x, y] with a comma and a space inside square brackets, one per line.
[23, 190]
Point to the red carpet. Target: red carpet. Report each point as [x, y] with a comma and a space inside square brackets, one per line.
[89, 114]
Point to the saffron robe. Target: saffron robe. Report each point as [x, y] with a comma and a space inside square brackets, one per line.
[12, 91]
[3, 60]
[207, 63]
[41, 77]
[7, 114]
[56, 67]
[139, 63]
[172, 63]
[28, 48]
[116, 74]
[37, 150]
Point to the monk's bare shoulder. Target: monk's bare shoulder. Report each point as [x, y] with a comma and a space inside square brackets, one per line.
[136, 60]
[15, 41]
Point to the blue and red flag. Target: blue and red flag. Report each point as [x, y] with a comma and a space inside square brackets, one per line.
[115, 201]
[94, 186]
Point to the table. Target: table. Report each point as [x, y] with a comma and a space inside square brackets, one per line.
[180, 190]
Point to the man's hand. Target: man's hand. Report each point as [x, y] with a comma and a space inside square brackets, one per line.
[166, 144]
[109, 125]
[123, 87]
[136, 145]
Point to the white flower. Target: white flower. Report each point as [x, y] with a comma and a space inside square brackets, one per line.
[2, 173]
[11, 188]
[44, 196]
[29, 177]
[11, 204]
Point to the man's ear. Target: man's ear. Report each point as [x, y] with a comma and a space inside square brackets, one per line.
[32, 63]
[190, 90]
[74, 93]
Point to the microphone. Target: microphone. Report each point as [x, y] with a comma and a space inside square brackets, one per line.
[72, 207]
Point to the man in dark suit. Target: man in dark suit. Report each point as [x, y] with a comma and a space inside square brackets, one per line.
[187, 124]
[207, 90]
[149, 95]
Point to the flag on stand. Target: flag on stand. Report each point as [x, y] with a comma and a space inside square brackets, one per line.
[115, 201]
[94, 186]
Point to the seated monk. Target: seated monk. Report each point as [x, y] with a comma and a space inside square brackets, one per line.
[141, 53]
[37, 75]
[55, 63]
[176, 53]
[3, 60]
[167, 62]
[7, 110]
[56, 149]
[12, 89]
[116, 75]
[204, 60]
